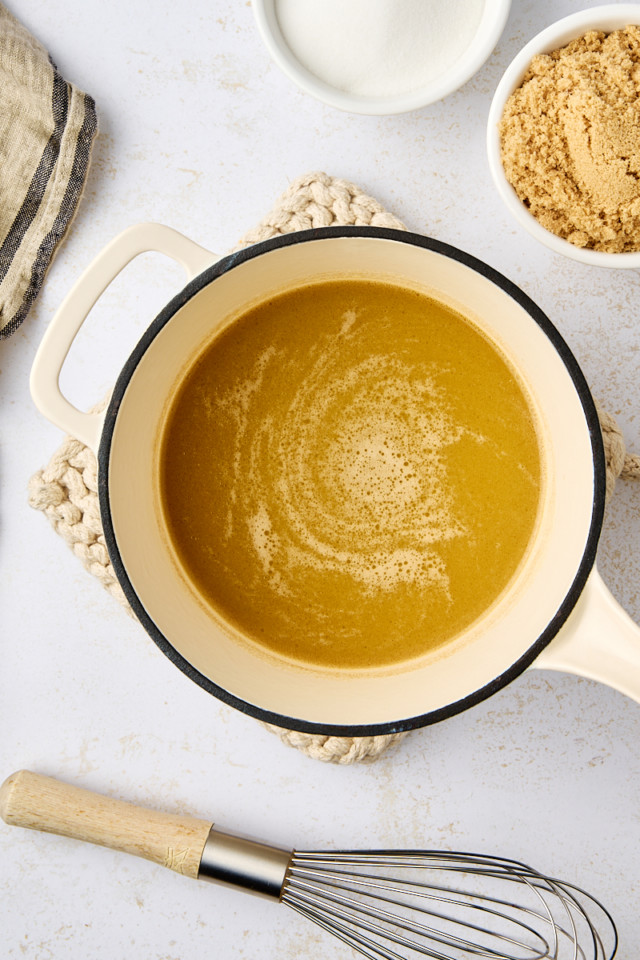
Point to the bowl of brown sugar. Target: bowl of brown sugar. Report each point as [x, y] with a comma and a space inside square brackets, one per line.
[563, 136]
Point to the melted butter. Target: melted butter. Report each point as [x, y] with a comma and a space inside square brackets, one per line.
[350, 474]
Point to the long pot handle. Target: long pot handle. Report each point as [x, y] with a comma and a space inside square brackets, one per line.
[73, 311]
[42, 803]
[599, 640]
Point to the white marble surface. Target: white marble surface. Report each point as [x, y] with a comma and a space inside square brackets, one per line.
[200, 131]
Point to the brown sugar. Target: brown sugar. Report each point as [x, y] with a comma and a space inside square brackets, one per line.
[570, 140]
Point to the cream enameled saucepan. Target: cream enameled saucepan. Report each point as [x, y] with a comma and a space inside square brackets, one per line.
[557, 614]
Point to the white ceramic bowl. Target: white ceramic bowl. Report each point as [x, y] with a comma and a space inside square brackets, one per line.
[606, 18]
[493, 20]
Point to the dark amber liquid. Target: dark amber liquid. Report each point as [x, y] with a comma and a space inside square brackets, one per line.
[350, 474]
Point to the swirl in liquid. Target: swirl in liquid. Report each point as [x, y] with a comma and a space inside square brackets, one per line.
[350, 474]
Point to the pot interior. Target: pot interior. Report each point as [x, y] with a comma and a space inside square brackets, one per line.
[212, 651]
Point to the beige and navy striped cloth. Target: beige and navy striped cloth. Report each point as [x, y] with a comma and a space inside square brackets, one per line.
[47, 127]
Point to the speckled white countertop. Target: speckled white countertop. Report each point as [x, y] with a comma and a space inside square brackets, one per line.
[199, 130]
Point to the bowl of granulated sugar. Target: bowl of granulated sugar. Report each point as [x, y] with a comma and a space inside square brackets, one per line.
[380, 56]
[563, 136]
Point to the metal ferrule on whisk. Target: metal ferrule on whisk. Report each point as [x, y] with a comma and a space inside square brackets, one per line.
[240, 862]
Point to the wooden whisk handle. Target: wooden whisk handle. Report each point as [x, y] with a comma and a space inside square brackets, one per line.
[42, 803]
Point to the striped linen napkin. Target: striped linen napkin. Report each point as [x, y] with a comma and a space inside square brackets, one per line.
[47, 127]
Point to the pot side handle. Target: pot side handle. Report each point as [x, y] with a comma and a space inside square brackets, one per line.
[599, 640]
[74, 309]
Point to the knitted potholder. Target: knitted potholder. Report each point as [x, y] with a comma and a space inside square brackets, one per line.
[66, 490]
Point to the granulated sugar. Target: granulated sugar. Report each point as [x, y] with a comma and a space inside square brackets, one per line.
[378, 48]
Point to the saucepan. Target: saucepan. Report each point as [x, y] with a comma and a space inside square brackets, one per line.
[555, 614]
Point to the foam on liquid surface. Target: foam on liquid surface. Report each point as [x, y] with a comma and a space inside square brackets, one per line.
[336, 467]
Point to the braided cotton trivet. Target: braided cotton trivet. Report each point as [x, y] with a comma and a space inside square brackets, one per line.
[66, 490]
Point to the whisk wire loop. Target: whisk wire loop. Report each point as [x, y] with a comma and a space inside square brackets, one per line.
[354, 934]
[392, 905]
[365, 886]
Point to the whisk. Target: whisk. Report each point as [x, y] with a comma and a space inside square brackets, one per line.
[386, 904]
